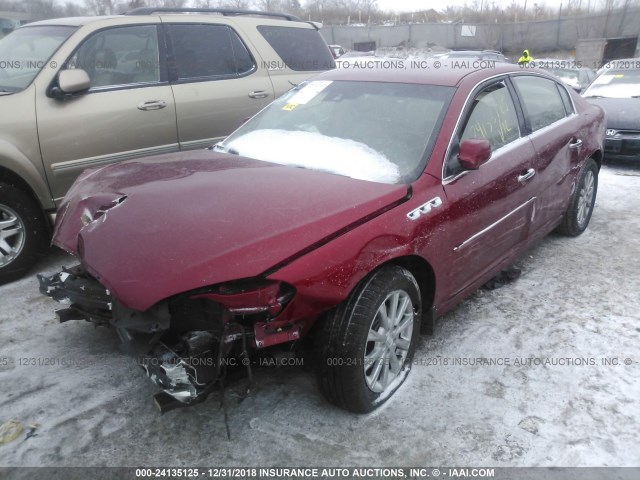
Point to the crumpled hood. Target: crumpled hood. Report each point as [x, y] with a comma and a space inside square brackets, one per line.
[621, 113]
[156, 227]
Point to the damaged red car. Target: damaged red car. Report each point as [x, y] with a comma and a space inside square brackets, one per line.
[346, 216]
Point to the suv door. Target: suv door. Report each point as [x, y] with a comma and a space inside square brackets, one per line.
[216, 82]
[556, 133]
[128, 112]
[489, 208]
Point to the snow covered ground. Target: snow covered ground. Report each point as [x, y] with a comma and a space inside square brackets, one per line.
[576, 303]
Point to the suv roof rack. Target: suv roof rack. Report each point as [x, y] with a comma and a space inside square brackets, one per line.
[223, 11]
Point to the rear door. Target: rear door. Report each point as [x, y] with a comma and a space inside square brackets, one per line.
[489, 208]
[555, 131]
[217, 81]
[128, 112]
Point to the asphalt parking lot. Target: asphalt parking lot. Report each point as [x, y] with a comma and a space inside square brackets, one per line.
[558, 385]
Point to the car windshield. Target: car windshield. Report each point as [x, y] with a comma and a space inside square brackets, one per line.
[381, 132]
[616, 84]
[24, 52]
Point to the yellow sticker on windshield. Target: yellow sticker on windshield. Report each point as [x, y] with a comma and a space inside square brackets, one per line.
[619, 75]
[290, 106]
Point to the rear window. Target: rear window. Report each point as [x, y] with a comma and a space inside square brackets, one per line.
[301, 49]
[196, 59]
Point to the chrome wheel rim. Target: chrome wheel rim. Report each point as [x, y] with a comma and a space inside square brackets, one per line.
[388, 341]
[586, 198]
[12, 235]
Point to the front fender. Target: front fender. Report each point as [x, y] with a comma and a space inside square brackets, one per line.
[326, 276]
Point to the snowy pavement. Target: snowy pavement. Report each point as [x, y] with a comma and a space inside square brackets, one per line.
[548, 392]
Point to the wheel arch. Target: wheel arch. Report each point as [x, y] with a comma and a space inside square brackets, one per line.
[424, 274]
[18, 170]
[597, 157]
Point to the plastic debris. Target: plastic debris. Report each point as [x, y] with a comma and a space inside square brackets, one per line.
[10, 430]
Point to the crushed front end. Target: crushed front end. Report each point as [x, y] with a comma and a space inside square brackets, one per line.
[188, 344]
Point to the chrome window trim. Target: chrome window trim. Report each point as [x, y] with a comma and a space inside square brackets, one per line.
[495, 154]
[551, 126]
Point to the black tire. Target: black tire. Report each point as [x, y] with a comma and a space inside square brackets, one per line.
[23, 232]
[345, 376]
[576, 218]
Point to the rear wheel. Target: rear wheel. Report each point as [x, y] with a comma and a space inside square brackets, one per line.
[22, 232]
[582, 201]
[366, 345]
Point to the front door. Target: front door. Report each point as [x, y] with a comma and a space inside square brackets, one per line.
[128, 112]
[489, 209]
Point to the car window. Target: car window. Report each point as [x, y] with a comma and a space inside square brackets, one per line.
[566, 100]
[369, 130]
[616, 84]
[119, 56]
[492, 117]
[541, 101]
[206, 51]
[301, 49]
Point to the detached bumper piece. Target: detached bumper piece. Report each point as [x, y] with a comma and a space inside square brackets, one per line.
[87, 298]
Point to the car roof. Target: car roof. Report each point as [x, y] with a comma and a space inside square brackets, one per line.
[443, 76]
[70, 21]
[195, 14]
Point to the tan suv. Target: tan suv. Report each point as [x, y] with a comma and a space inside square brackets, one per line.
[77, 93]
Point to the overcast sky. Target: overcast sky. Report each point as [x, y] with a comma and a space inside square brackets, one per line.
[413, 5]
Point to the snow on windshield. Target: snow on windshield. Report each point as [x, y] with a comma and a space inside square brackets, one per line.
[317, 152]
[620, 84]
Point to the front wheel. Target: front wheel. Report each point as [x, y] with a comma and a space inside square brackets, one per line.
[582, 201]
[22, 232]
[366, 345]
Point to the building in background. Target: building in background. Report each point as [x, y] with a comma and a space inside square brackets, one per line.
[12, 20]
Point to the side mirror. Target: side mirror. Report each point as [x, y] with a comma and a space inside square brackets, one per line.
[474, 152]
[71, 82]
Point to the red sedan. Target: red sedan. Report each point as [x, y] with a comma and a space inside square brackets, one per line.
[347, 216]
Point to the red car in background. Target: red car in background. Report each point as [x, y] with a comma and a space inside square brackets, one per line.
[348, 215]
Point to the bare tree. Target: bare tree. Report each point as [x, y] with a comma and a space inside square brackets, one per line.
[237, 4]
[269, 5]
[100, 7]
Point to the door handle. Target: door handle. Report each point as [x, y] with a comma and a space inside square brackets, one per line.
[523, 177]
[258, 94]
[152, 105]
[575, 144]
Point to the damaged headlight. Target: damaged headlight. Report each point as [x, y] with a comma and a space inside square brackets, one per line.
[250, 297]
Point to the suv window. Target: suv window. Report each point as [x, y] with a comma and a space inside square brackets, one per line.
[24, 52]
[205, 51]
[120, 56]
[541, 101]
[301, 49]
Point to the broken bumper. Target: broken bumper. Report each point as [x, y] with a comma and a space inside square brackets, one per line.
[184, 363]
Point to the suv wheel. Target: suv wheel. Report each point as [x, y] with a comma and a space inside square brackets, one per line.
[22, 232]
[366, 345]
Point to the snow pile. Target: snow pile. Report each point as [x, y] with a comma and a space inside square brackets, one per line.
[316, 152]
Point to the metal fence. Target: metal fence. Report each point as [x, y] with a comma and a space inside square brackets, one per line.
[538, 36]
